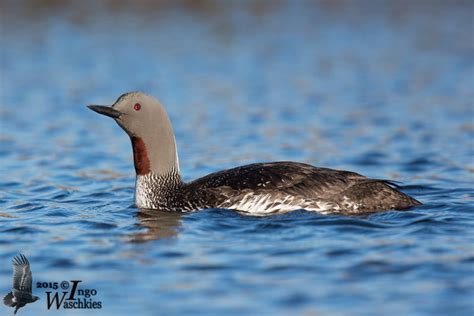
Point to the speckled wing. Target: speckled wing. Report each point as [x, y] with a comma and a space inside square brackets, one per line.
[285, 175]
[293, 185]
[22, 279]
[373, 195]
[286, 178]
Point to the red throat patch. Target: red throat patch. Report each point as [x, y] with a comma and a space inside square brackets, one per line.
[140, 156]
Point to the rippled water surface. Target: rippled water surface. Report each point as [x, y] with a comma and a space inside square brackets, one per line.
[378, 88]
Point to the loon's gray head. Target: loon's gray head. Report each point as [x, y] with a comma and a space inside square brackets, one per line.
[143, 118]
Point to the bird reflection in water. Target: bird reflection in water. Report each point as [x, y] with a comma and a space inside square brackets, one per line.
[158, 224]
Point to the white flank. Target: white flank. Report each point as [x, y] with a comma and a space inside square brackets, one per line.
[349, 205]
[265, 204]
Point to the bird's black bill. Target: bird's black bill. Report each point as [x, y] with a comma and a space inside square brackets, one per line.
[105, 110]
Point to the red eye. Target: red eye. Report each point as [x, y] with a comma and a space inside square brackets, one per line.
[137, 107]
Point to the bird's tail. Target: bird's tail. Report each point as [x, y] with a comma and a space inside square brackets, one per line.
[8, 300]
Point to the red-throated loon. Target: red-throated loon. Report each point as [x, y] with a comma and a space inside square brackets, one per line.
[257, 189]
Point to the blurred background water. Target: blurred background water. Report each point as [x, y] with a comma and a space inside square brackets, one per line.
[377, 87]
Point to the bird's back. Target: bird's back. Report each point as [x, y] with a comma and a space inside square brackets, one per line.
[285, 186]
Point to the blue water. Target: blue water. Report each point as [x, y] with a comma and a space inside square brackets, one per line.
[384, 89]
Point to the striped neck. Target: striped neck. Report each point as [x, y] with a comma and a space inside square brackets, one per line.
[158, 191]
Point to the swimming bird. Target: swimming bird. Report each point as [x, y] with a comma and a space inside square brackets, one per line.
[256, 189]
[22, 280]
